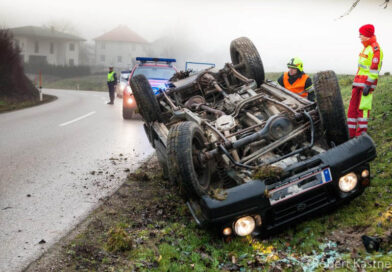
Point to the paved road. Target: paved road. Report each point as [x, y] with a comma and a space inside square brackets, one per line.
[48, 155]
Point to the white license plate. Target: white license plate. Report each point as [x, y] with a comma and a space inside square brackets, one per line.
[300, 185]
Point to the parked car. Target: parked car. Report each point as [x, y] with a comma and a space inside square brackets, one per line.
[123, 83]
[158, 71]
[249, 155]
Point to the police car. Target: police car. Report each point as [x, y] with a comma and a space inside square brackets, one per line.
[158, 71]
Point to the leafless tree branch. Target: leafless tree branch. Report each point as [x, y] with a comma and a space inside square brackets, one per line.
[385, 4]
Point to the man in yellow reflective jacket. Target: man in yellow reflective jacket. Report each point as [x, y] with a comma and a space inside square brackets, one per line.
[365, 81]
[112, 82]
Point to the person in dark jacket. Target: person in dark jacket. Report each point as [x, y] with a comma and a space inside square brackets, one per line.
[296, 80]
[112, 82]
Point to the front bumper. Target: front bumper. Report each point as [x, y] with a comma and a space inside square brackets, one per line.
[254, 197]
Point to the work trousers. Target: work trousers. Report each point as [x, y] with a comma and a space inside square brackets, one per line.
[357, 120]
[111, 92]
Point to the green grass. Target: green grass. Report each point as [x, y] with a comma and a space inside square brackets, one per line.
[87, 83]
[7, 105]
[176, 243]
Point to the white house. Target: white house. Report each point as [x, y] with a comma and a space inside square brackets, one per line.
[46, 45]
[119, 48]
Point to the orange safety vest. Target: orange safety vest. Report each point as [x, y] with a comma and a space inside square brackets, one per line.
[298, 86]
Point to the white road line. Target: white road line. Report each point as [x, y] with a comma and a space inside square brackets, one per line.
[77, 119]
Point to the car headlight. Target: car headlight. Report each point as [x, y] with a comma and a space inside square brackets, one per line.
[129, 90]
[348, 182]
[244, 226]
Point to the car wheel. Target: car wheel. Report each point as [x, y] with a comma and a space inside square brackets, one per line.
[162, 157]
[185, 144]
[127, 113]
[145, 99]
[331, 108]
[244, 54]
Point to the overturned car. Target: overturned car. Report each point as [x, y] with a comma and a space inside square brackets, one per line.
[249, 155]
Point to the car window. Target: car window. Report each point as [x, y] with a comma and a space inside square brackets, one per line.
[124, 77]
[155, 72]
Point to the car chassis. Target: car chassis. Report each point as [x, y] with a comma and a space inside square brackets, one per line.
[249, 155]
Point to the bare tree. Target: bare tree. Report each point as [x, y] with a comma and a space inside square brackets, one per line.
[356, 2]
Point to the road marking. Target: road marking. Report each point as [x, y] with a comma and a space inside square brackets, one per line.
[77, 119]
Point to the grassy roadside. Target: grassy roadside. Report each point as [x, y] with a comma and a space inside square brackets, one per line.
[145, 226]
[87, 83]
[6, 105]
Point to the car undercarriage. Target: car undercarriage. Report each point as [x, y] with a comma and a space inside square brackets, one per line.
[239, 145]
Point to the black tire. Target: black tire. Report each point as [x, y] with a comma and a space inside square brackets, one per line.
[127, 113]
[184, 141]
[162, 157]
[242, 50]
[145, 99]
[331, 107]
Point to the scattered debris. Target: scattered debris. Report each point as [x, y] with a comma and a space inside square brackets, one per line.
[218, 194]
[371, 243]
[28, 195]
[139, 175]
[268, 172]
[42, 242]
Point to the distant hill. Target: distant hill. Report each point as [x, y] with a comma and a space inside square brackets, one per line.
[14, 85]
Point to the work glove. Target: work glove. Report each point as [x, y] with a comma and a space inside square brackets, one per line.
[366, 90]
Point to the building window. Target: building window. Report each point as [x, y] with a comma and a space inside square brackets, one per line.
[71, 62]
[119, 59]
[102, 45]
[102, 58]
[71, 47]
[36, 47]
[51, 48]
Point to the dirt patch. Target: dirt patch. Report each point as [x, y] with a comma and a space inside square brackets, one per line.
[349, 239]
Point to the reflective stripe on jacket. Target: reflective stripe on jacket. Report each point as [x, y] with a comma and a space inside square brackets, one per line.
[369, 64]
[298, 86]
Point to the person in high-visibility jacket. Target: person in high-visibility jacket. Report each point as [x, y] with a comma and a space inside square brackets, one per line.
[112, 82]
[365, 81]
[296, 80]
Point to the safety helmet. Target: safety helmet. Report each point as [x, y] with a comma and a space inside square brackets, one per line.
[296, 63]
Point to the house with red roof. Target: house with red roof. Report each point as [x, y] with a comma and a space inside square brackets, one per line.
[119, 48]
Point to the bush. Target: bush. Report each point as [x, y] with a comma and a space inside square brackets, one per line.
[14, 85]
[387, 74]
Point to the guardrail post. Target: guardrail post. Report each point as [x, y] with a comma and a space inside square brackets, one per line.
[40, 86]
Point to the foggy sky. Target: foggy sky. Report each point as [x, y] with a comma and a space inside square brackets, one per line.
[280, 29]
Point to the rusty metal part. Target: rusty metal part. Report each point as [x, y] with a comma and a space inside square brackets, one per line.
[172, 105]
[214, 111]
[280, 104]
[217, 132]
[197, 99]
[233, 152]
[248, 129]
[250, 158]
[237, 74]
[254, 118]
[207, 80]
[227, 82]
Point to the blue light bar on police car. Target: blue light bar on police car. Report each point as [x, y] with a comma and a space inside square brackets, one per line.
[143, 59]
